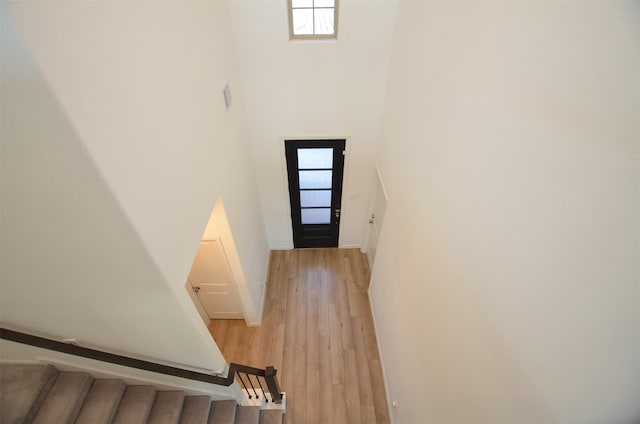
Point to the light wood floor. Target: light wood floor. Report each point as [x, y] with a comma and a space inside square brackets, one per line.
[318, 333]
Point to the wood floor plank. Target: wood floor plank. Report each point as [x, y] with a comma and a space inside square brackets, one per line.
[318, 332]
[287, 372]
[299, 367]
[278, 347]
[335, 339]
[351, 386]
[242, 344]
[253, 354]
[359, 269]
[323, 306]
[312, 403]
[298, 405]
[362, 363]
[344, 313]
[326, 384]
[368, 414]
[354, 298]
[219, 329]
[231, 341]
[371, 344]
[340, 415]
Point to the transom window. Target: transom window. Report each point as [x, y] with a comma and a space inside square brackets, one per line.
[313, 19]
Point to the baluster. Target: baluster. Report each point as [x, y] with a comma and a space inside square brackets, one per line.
[266, 399]
[244, 385]
[253, 388]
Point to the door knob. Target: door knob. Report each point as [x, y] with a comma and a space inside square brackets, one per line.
[196, 289]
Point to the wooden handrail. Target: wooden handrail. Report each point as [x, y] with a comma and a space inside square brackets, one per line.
[112, 358]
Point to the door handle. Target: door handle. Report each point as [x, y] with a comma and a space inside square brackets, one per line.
[196, 289]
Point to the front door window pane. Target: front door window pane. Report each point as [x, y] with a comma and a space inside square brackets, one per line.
[315, 179]
[315, 158]
[315, 198]
[316, 216]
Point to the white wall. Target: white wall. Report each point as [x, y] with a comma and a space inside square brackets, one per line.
[313, 89]
[115, 145]
[507, 282]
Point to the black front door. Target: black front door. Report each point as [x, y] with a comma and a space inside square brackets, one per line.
[315, 169]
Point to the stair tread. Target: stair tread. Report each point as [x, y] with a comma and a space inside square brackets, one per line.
[195, 410]
[222, 412]
[102, 401]
[166, 408]
[135, 405]
[271, 416]
[64, 400]
[23, 389]
[247, 414]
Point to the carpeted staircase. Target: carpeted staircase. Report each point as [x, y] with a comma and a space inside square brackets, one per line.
[40, 394]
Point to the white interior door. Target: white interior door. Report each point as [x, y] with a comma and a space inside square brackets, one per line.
[213, 281]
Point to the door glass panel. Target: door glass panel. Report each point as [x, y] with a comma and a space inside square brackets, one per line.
[316, 216]
[315, 158]
[315, 179]
[315, 198]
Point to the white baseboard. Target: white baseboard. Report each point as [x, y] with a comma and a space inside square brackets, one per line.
[384, 374]
[350, 246]
[342, 246]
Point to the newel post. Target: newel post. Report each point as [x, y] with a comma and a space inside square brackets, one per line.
[272, 384]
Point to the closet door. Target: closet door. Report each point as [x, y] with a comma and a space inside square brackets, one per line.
[212, 280]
